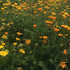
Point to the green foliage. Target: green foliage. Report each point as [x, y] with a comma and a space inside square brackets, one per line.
[44, 53]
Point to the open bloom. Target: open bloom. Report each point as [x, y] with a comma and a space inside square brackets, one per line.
[3, 53]
[62, 64]
[1, 46]
[28, 41]
[18, 33]
[65, 51]
[34, 25]
[56, 29]
[22, 51]
[17, 38]
[4, 36]
[14, 43]
[45, 37]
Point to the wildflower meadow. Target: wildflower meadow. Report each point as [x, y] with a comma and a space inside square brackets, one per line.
[34, 34]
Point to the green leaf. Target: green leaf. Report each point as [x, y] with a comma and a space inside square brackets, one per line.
[41, 64]
[51, 61]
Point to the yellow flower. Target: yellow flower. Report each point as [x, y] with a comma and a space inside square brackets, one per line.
[1, 46]
[22, 51]
[15, 44]
[2, 27]
[68, 28]
[2, 8]
[18, 33]
[4, 36]
[17, 38]
[3, 53]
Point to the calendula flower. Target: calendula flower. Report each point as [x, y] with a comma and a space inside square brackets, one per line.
[53, 13]
[4, 36]
[2, 27]
[63, 64]
[6, 33]
[52, 17]
[14, 43]
[40, 36]
[34, 25]
[40, 9]
[22, 51]
[60, 34]
[17, 38]
[49, 22]
[2, 8]
[66, 34]
[35, 12]
[56, 29]
[18, 33]
[1, 46]
[65, 51]
[64, 26]
[68, 28]
[28, 41]
[25, 8]
[45, 37]
[45, 12]
[3, 53]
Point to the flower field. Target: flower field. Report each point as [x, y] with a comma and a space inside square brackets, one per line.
[34, 34]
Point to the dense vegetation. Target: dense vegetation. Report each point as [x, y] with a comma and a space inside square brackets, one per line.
[34, 34]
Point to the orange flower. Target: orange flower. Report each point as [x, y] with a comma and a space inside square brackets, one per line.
[68, 28]
[45, 37]
[34, 25]
[45, 12]
[35, 12]
[40, 36]
[60, 34]
[47, 3]
[25, 8]
[28, 41]
[18, 33]
[62, 64]
[6, 33]
[49, 22]
[44, 41]
[3, 44]
[4, 37]
[56, 29]
[22, 51]
[65, 51]
[64, 26]
[52, 17]
[66, 34]
[40, 9]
